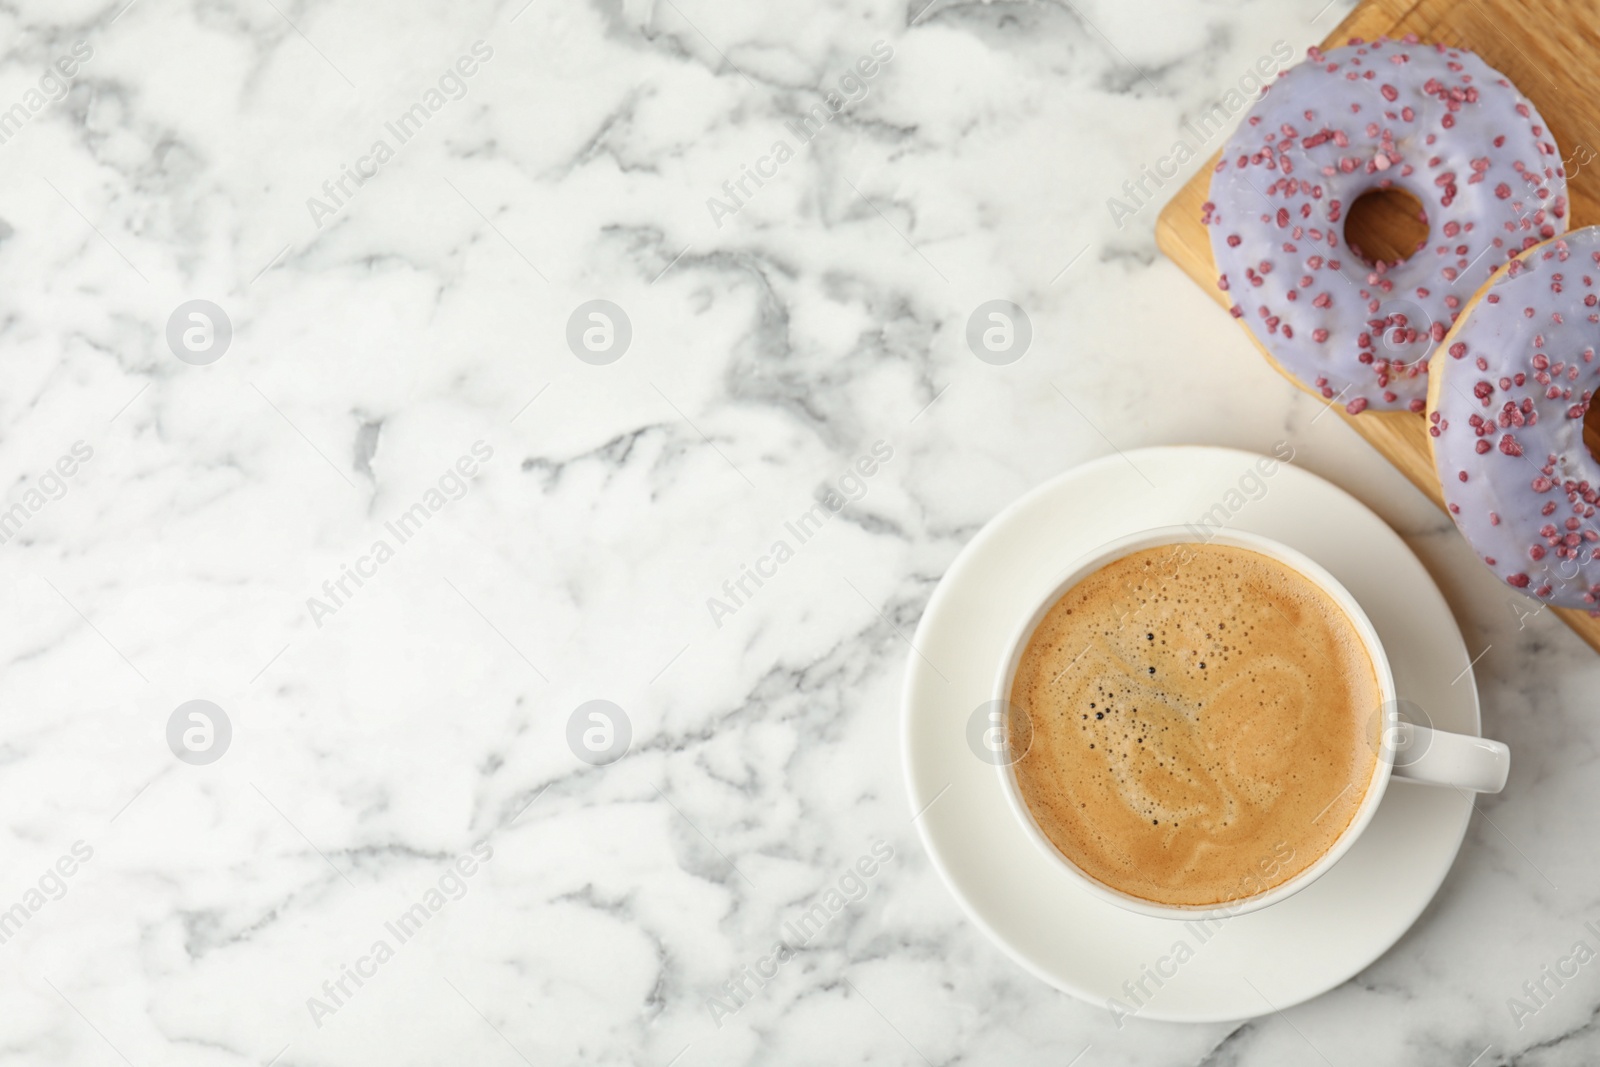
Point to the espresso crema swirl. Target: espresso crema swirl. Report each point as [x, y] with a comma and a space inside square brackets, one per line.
[1203, 724]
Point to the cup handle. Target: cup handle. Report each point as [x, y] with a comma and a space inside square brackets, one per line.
[1436, 757]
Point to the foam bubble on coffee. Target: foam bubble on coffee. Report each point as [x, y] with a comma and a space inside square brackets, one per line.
[1203, 721]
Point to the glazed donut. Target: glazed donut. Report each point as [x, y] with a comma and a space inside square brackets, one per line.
[1510, 387]
[1436, 122]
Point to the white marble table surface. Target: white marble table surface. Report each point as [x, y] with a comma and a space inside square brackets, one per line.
[384, 733]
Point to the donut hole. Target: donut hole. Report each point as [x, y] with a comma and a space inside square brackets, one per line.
[1386, 225]
[1591, 430]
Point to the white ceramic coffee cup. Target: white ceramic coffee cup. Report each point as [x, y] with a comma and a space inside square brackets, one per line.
[1407, 750]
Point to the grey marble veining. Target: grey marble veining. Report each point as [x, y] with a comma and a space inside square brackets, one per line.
[399, 772]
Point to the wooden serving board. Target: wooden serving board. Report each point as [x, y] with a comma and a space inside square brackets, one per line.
[1551, 50]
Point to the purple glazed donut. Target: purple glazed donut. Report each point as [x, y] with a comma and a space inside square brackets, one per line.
[1511, 385]
[1436, 122]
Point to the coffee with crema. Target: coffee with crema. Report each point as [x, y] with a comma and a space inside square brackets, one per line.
[1203, 724]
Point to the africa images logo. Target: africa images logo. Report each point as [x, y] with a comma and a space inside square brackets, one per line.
[852, 485]
[854, 85]
[452, 85]
[449, 887]
[450, 487]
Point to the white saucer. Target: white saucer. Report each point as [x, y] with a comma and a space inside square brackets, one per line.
[1249, 964]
